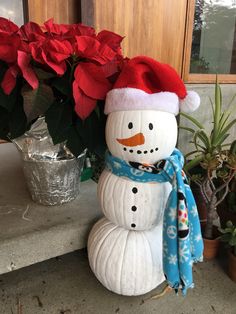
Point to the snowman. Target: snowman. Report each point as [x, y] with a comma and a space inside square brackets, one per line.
[125, 248]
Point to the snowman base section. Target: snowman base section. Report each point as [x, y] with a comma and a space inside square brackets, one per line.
[126, 262]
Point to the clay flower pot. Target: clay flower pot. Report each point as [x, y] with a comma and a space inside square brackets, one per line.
[211, 248]
[232, 266]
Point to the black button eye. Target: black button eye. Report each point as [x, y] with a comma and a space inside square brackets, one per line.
[150, 126]
[130, 125]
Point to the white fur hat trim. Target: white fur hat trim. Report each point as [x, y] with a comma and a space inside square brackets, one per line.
[124, 99]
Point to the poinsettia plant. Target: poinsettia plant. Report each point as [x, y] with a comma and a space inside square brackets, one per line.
[59, 71]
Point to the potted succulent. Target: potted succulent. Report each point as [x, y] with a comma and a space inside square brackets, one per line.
[231, 198]
[61, 73]
[212, 165]
[229, 237]
[227, 209]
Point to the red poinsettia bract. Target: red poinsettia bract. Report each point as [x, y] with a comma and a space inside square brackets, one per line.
[102, 56]
[92, 60]
[89, 85]
[12, 52]
[52, 52]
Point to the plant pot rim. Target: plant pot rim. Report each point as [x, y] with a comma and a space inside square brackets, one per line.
[216, 232]
[214, 239]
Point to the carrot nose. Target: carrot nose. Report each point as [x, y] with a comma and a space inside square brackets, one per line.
[137, 139]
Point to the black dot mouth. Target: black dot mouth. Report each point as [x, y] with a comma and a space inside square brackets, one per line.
[139, 152]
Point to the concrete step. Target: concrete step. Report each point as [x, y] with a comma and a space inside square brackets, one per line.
[31, 233]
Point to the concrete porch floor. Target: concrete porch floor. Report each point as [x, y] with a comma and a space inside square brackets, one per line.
[66, 285]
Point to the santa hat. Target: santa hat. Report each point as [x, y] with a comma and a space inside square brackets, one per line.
[145, 84]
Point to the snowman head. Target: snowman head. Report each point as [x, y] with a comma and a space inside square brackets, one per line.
[141, 110]
[144, 136]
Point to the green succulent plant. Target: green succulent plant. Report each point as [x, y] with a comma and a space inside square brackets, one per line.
[231, 197]
[212, 165]
[229, 235]
[212, 143]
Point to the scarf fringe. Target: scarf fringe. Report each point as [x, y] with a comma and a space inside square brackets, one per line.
[167, 289]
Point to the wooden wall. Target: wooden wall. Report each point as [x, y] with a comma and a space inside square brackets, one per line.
[63, 11]
[161, 29]
[151, 27]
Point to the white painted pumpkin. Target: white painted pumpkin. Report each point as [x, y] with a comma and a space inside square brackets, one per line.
[152, 134]
[133, 205]
[126, 262]
[125, 252]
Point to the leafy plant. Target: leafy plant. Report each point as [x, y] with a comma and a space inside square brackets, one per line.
[216, 165]
[229, 235]
[212, 143]
[59, 71]
[231, 197]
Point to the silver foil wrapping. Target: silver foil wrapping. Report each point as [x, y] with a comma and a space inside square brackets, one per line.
[52, 172]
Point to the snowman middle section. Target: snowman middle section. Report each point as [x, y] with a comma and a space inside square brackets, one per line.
[132, 205]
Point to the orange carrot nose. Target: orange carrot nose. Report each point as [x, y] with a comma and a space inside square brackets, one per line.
[137, 139]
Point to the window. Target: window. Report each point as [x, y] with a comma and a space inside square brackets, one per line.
[211, 41]
[13, 10]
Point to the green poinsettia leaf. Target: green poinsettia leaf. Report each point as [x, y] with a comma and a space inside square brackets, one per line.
[6, 101]
[59, 120]
[4, 125]
[37, 101]
[97, 112]
[43, 75]
[74, 142]
[62, 84]
[17, 120]
[92, 132]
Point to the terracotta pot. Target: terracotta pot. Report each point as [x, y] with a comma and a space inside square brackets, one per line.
[232, 266]
[211, 248]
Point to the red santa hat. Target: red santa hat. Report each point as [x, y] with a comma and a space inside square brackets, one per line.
[145, 84]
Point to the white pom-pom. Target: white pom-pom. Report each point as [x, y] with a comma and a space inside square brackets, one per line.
[190, 103]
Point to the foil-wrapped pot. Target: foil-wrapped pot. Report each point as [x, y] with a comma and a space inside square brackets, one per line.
[52, 172]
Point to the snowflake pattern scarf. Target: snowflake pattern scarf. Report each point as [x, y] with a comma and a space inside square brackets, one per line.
[182, 239]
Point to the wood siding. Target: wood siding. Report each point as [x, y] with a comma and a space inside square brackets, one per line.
[151, 27]
[63, 11]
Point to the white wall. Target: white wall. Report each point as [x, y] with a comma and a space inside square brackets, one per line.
[204, 113]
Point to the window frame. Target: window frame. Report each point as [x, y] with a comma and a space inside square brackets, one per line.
[195, 77]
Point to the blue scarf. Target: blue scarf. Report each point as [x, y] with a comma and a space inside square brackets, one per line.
[182, 239]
